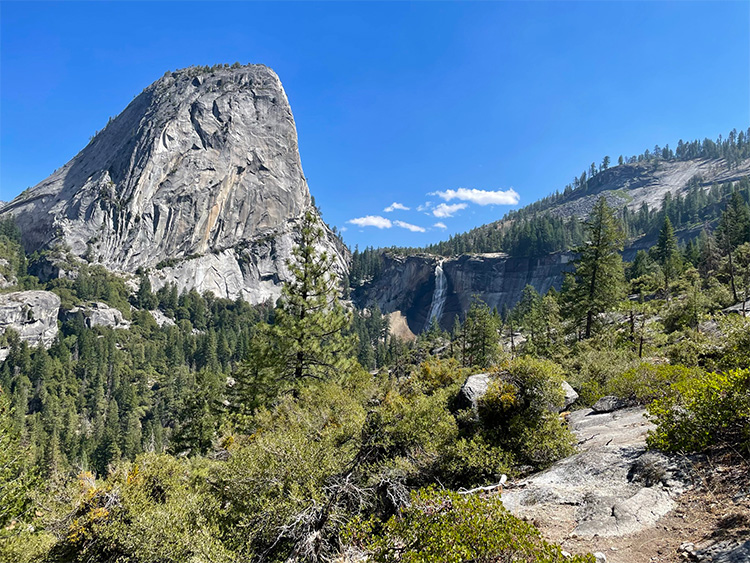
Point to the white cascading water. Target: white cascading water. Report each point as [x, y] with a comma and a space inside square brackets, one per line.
[438, 296]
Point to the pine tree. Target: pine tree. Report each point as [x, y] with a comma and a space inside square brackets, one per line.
[482, 346]
[734, 229]
[16, 477]
[668, 254]
[309, 337]
[309, 324]
[145, 298]
[599, 276]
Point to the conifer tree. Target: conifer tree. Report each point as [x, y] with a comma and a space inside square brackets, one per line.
[668, 254]
[308, 338]
[310, 320]
[16, 477]
[481, 327]
[599, 276]
[734, 229]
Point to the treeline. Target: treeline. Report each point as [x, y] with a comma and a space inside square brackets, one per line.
[99, 394]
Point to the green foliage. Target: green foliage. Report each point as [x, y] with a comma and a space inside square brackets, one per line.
[439, 526]
[287, 484]
[157, 509]
[647, 382]
[17, 477]
[95, 283]
[711, 409]
[594, 364]
[307, 336]
[519, 412]
[599, 275]
[667, 254]
[480, 342]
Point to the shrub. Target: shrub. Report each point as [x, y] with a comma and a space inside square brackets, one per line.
[703, 411]
[519, 412]
[648, 382]
[156, 509]
[443, 527]
[591, 368]
[472, 461]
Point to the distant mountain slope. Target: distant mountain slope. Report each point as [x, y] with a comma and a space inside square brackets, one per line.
[553, 223]
[199, 179]
[494, 262]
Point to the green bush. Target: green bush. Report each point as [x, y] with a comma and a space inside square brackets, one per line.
[472, 461]
[648, 382]
[519, 412]
[703, 411]
[591, 367]
[156, 509]
[445, 527]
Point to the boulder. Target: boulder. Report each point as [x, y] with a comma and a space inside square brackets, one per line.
[570, 394]
[609, 403]
[161, 319]
[32, 314]
[473, 390]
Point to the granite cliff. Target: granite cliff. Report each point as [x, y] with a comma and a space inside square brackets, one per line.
[198, 181]
[424, 285]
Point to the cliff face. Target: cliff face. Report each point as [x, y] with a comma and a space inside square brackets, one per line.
[32, 314]
[413, 286]
[199, 180]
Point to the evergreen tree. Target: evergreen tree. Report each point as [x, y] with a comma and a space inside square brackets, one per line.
[145, 299]
[16, 477]
[482, 342]
[734, 229]
[599, 275]
[667, 253]
[309, 337]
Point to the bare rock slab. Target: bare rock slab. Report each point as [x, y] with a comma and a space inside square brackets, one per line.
[613, 487]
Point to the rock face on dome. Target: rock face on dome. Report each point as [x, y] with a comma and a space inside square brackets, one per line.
[198, 181]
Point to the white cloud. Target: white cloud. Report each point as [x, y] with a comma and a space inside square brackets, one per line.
[371, 221]
[395, 205]
[409, 226]
[481, 197]
[425, 206]
[445, 210]
[343, 229]
[440, 225]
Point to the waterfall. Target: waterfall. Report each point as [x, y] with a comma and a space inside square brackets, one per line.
[438, 296]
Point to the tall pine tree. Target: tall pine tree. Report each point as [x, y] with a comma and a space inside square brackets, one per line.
[599, 276]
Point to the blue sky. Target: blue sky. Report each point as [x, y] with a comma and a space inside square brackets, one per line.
[395, 102]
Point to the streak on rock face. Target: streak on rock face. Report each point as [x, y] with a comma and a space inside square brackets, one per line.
[201, 164]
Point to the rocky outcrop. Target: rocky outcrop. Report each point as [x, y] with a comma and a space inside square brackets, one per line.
[613, 487]
[407, 284]
[31, 314]
[198, 180]
[609, 403]
[99, 314]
